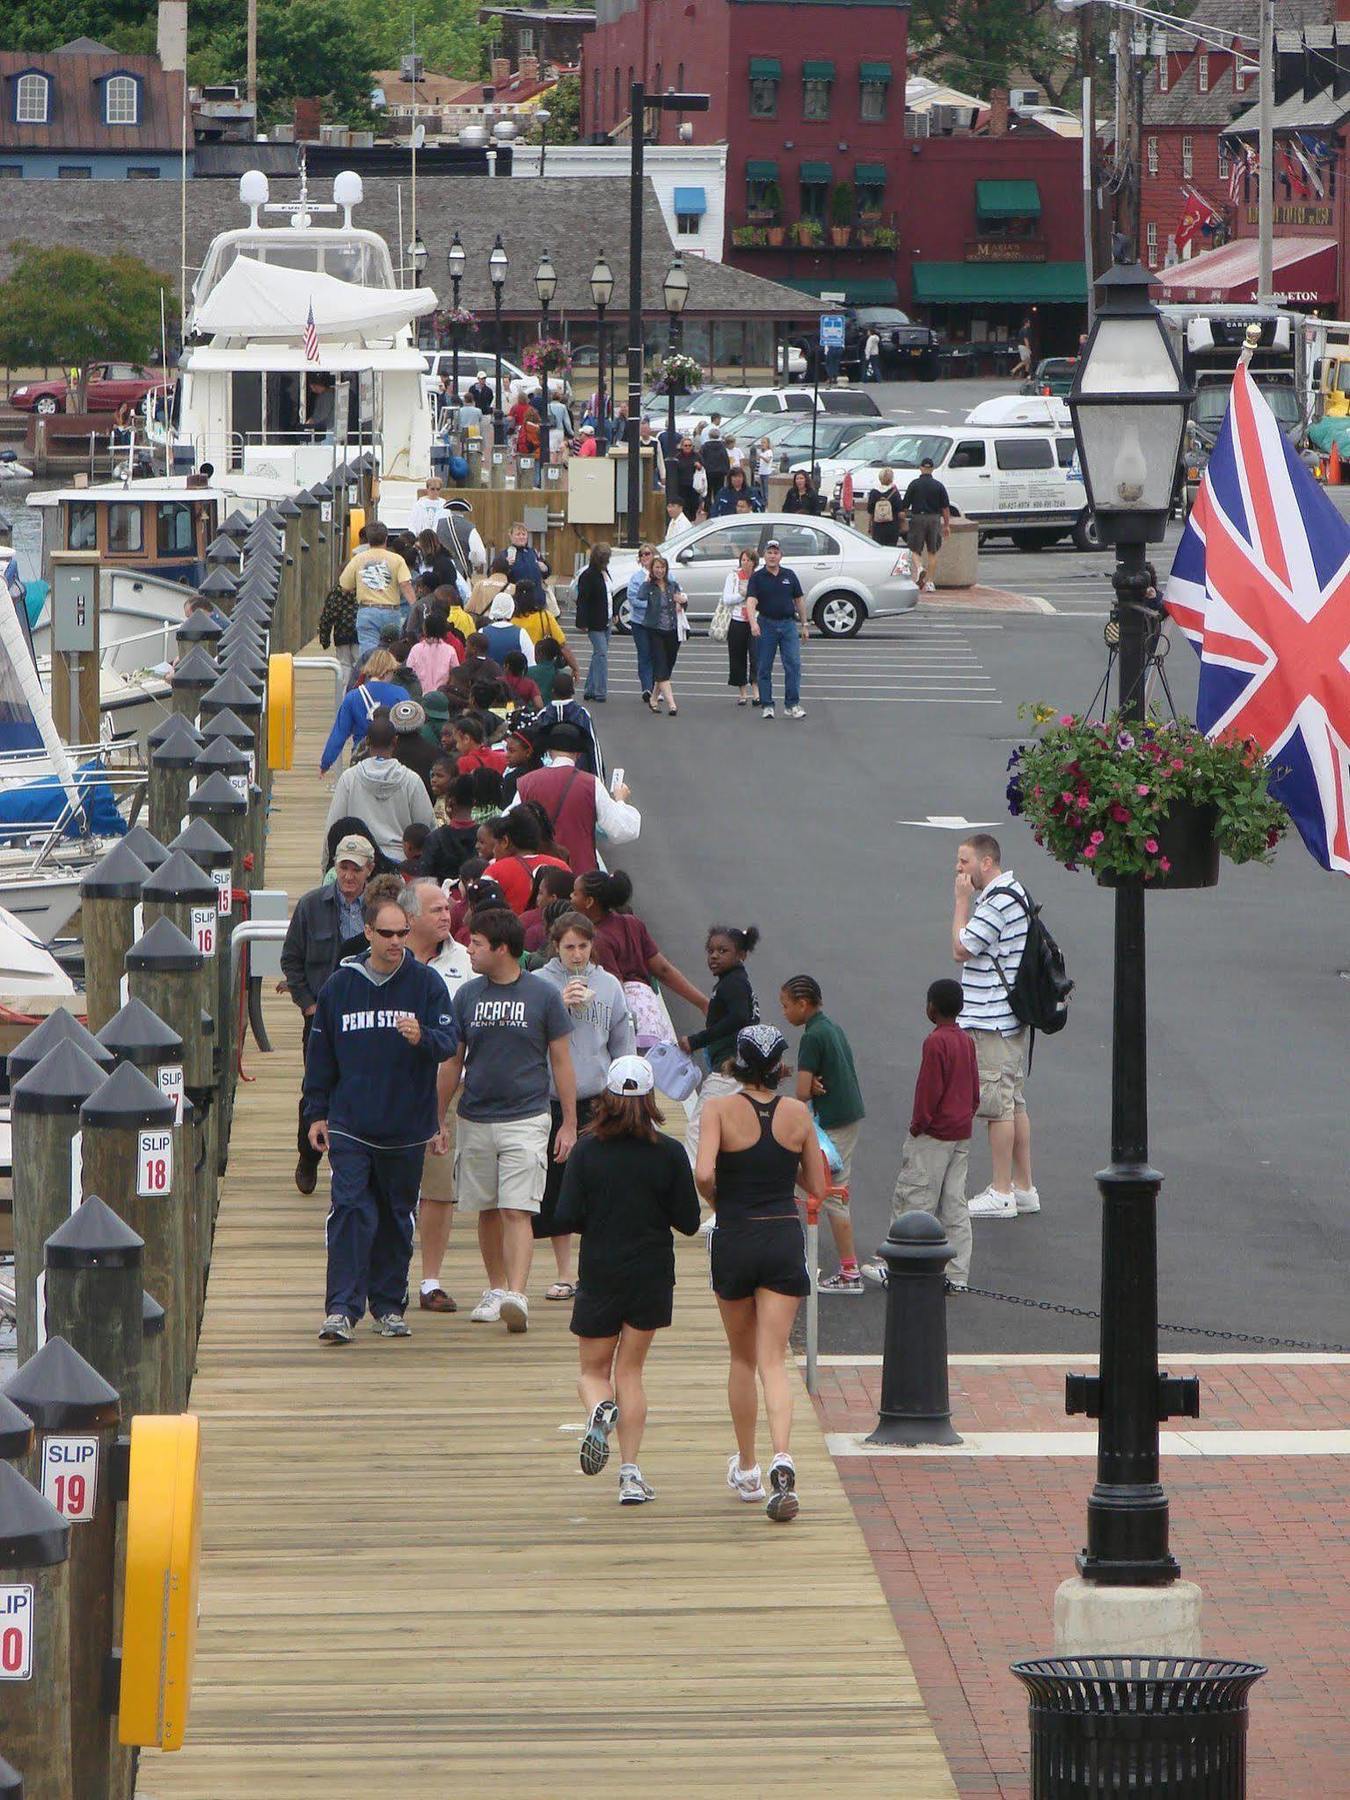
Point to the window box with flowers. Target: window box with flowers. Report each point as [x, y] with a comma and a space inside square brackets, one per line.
[1158, 799]
[749, 237]
[884, 238]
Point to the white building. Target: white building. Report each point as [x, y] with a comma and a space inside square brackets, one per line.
[690, 182]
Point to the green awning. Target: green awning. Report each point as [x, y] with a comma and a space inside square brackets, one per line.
[818, 71]
[765, 68]
[870, 174]
[875, 71]
[1007, 200]
[762, 170]
[861, 291]
[817, 174]
[949, 283]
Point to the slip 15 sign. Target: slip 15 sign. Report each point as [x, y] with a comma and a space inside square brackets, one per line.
[224, 881]
[154, 1164]
[16, 1632]
[70, 1476]
[204, 929]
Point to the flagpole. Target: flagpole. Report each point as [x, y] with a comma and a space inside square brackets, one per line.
[1265, 193]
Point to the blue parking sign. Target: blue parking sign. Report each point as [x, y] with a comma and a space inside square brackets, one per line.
[832, 331]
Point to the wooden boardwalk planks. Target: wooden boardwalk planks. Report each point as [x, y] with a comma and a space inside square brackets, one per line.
[409, 1590]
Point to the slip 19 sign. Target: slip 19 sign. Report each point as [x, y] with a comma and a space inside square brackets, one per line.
[204, 929]
[70, 1476]
[154, 1164]
[16, 1632]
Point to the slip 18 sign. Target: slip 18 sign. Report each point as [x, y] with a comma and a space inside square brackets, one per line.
[16, 1632]
[154, 1164]
[204, 929]
[70, 1476]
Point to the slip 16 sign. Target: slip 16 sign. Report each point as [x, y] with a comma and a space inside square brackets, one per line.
[204, 929]
[70, 1476]
[16, 1632]
[154, 1164]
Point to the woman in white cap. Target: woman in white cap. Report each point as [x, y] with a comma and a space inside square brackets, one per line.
[755, 1147]
[502, 632]
[626, 1186]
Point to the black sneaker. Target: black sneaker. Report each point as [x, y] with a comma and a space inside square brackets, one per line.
[783, 1502]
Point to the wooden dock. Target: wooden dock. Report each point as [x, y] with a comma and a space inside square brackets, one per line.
[410, 1591]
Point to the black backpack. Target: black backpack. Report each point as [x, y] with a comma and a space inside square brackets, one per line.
[1039, 992]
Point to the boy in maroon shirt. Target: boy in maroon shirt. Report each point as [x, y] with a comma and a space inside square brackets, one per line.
[933, 1165]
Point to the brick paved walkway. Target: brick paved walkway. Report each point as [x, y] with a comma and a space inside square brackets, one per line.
[970, 1552]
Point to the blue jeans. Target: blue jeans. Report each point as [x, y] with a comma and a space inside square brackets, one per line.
[780, 636]
[371, 621]
[643, 644]
[370, 1226]
[597, 675]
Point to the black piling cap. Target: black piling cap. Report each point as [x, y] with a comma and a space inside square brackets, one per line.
[179, 879]
[117, 876]
[220, 753]
[16, 1435]
[216, 795]
[287, 509]
[237, 525]
[199, 628]
[59, 1084]
[126, 1099]
[146, 845]
[11, 1782]
[306, 501]
[93, 1237]
[196, 670]
[223, 550]
[60, 1391]
[137, 1035]
[163, 946]
[59, 1027]
[204, 844]
[321, 491]
[219, 584]
[245, 657]
[236, 691]
[176, 752]
[173, 727]
[152, 1316]
[228, 724]
[33, 1535]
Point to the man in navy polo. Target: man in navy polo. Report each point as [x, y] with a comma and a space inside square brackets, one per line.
[776, 610]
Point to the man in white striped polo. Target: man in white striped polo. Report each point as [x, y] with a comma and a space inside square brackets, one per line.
[989, 933]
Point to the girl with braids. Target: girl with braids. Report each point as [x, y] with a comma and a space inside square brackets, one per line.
[828, 1083]
[732, 1007]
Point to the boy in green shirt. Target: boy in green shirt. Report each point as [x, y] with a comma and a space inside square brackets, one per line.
[828, 1083]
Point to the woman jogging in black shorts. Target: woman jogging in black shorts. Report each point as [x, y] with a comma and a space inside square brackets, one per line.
[626, 1186]
[754, 1149]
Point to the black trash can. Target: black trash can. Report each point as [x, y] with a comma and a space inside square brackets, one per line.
[1138, 1725]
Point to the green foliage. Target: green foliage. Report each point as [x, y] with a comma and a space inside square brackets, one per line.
[70, 307]
[979, 44]
[564, 103]
[841, 203]
[1096, 791]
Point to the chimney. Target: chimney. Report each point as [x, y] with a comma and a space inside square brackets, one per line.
[501, 71]
[529, 69]
[171, 37]
[998, 112]
[308, 117]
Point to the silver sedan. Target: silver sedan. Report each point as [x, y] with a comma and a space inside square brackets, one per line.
[846, 578]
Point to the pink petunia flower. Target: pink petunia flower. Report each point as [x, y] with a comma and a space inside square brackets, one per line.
[1121, 814]
[1066, 719]
[1089, 850]
[1097, 837]
[1143, 789]
[1164, 864]
[1151, 845]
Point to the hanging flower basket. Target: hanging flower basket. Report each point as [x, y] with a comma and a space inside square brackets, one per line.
[678, 374]
[1158, 800]
[462, 319]
[547, 356]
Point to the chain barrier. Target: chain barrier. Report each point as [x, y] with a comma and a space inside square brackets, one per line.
[1205, 1331]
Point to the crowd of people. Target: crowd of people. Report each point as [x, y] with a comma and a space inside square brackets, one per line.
[485, 1026]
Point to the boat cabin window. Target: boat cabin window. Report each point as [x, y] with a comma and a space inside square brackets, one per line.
[81, 525]
[368, 265]
[173, 528]
[125, 535]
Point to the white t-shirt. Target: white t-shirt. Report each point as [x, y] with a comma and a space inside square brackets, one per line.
[997, 928]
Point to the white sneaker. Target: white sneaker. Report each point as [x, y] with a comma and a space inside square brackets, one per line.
[874, 1274]
[796, 712]
[993, 1205]
[1028, 1200]
[766, 712]
[746, 1484]
[514, 1311]
[489, 1308]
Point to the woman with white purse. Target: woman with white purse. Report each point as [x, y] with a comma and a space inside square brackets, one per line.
[730, 624]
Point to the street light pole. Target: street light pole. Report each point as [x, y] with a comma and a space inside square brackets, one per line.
[677, 295]
[602, 289]
[455, 259]
[1265, 153]
[545, 285]
[497, 266]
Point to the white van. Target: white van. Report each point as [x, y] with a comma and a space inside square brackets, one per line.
[1019, 481]
[473, 363]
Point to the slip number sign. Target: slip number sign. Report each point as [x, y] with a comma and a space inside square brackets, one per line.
[224, 880]
[70, 1476]
[154, 1164]
[16, 1632]
[204, 928]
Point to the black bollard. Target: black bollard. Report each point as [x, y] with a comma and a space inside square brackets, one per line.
[110, 895]
[915, 1408]
[195, 673]
[170, 776]
[59, 1027]
[140, 838]
[35, 1637]
[94, 1296]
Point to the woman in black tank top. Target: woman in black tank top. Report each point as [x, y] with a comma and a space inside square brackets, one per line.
[755, 1147]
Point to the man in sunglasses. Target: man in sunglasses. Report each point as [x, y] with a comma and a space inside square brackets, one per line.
[382, 1028]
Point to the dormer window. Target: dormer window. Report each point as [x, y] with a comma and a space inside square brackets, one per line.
[1202, 72]
[32, 101]
[122, 100]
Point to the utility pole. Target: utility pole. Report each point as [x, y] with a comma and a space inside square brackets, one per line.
[1086, 43]
[252, 75]
[1265, 193]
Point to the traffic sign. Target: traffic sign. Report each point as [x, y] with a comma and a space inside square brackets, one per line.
[832, 331]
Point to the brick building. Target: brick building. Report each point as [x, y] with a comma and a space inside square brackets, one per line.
[88, 113]
[553, 34]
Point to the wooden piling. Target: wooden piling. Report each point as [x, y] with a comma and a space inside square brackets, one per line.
[35, 1635]
[110, 896]
[94, 1293]
[170, 775]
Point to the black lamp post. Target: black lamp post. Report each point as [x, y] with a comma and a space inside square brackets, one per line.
[602, 289]
[541, 118]
[416, 254]
[545, 285]
[454, 262]
[677, 295]
[497, 265]
[1129, 406]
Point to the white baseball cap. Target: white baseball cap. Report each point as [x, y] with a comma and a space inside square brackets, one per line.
[630, 1075]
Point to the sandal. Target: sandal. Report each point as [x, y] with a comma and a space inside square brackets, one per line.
[562, 1290]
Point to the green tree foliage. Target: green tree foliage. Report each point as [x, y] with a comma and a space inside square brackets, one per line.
[316, 49]
[976, 45]
[71, 308]
[564, 105]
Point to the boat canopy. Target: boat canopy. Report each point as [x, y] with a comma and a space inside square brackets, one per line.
[255, 300]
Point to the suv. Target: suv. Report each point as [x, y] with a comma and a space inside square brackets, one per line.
[906, 348]
[1052, 375]
[110, 386]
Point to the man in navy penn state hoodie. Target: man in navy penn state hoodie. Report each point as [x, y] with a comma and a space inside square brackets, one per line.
[382, 1029]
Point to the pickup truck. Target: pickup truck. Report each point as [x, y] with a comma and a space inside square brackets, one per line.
[110, 384]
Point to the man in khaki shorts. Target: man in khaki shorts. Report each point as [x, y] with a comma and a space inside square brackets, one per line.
[513, 1029]
[430, 941]
[989, 934]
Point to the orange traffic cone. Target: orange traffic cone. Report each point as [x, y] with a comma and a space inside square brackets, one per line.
[1334, 465]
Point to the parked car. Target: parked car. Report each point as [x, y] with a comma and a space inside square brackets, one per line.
[907, 348]
[480, 362]
[834, 433]
[847, 579]
[110, 386]
[1052, 375]
[750, 405]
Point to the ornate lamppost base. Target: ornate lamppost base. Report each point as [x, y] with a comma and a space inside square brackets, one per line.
[1095, 1620]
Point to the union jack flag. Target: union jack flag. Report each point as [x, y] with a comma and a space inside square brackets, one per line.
[311, 337]
[1261, 587]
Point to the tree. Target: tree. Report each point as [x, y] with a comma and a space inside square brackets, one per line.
[314, 50]
[72, 308]
[564, 105]
[981, 44]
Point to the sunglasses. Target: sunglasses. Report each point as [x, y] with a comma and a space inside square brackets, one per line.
[381, 932]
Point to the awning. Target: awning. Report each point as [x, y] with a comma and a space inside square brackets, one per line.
[1007, 200]
[761, 170]
[255, 300]
[861, 291]
[692, 201]
[874, 71]
[952, 284]
[818, 71]
[1304, 271]
[869, 174]
[765, 68]
[816, 174]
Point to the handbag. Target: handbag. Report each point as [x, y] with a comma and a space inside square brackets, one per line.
[650, 1024]
[677, 1075]
[720, 623]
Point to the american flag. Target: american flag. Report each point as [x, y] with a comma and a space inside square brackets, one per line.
[1261, 587]
[1237, 170]
[311, 337]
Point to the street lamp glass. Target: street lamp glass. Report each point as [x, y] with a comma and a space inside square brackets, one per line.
[417, 251]
[455, 257]
[497, 263]
[602, 282]
[545, 280]
[677, 287]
